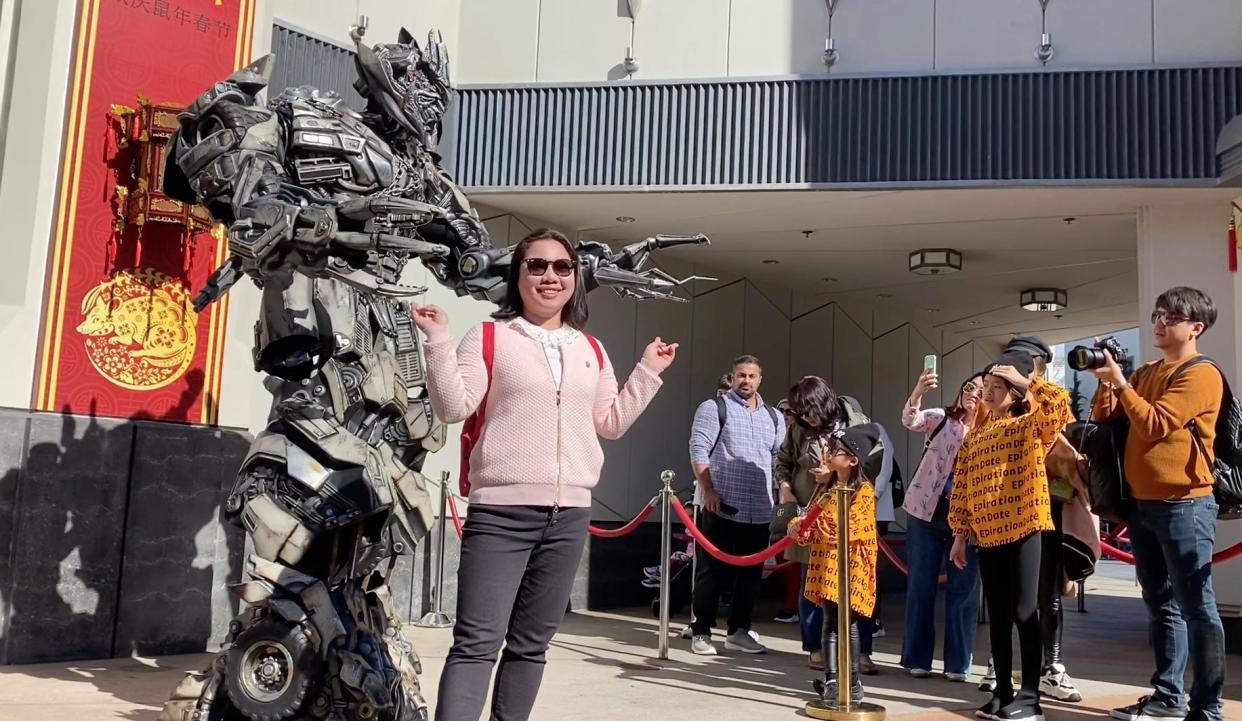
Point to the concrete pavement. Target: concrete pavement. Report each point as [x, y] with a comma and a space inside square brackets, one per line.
[602, 666]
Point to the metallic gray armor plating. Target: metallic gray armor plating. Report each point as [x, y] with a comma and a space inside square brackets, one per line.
[325, 206]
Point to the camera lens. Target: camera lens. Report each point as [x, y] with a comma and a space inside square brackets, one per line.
[1082, 358]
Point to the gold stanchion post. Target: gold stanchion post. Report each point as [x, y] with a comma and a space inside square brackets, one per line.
[845, 708]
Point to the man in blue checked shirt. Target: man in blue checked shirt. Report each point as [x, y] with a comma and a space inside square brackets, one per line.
[733, 447]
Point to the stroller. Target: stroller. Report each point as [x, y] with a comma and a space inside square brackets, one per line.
[681, 569]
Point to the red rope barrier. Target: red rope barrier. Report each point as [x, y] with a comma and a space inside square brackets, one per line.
[753, 559]
[894, 559]
[1116, 553]
[457, 523]
[628, 528]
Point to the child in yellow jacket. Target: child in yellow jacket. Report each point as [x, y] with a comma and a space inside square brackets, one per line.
[855, 454]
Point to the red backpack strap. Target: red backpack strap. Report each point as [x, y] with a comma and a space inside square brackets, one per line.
[599, 351]
[473, 427]
[489, 354]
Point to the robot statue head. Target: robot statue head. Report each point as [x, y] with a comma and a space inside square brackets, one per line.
[404, 82]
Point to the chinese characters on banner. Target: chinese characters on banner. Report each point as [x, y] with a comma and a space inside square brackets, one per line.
[120, 337]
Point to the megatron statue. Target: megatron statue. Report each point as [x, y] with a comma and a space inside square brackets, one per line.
[325, 206]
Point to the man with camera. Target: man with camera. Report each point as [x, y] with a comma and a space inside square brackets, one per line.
[1172, 520]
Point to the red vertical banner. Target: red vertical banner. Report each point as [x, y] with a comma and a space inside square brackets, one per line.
[120, 336]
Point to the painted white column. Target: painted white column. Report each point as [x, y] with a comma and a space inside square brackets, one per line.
[1187, 245]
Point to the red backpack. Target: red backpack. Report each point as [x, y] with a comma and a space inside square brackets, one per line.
[473, 427]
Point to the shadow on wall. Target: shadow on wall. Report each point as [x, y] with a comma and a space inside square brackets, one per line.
[111, 541]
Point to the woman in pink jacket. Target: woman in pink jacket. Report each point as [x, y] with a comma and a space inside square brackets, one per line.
[551, 394]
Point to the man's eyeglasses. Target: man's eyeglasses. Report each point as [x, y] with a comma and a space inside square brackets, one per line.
[1166, 319]
[539, 266]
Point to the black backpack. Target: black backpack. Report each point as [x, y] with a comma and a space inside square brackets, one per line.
[1226, 455]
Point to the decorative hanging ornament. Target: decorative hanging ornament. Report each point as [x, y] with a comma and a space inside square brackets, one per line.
[1233, 244]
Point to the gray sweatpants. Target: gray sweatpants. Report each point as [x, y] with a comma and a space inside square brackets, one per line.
[513, 584]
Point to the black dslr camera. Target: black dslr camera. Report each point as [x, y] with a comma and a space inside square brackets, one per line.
[1084, 358]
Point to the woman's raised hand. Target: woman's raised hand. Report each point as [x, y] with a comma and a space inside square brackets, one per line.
[927, 382]
[658, 355]
[428, 317]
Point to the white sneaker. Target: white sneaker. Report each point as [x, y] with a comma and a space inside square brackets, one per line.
[745, 642]
[702, 646]
[988, 684]
[920, 673]
[687, 632]
[1056, 683]
[957, 677]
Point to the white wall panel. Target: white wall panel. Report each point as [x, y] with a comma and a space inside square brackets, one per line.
[884, 36]
[851, 359]
[986, 34]
[810, 343]
[777, 37]
[718, 338]
[499, 42]
[581, 40]
[892, 356]
[767, 337]
[1197, 30]
[661, 438]
[1101, 32]
[613, 322]
[683, 39]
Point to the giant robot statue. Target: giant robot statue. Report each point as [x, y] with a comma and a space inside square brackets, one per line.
[325, 207]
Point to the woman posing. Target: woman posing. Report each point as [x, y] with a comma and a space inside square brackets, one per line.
[551, 392]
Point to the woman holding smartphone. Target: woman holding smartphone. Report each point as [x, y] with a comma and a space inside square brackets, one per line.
[1000, 498]
[551, 393]
[929, 538]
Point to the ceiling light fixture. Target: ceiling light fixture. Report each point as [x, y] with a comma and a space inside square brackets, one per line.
[624, 219]
[884, 296]
[1044, 300]
[771, 261]
[935, 261]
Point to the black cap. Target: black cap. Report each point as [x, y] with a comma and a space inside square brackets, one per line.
[1022, 361]
[1032, 345]
[859, 440]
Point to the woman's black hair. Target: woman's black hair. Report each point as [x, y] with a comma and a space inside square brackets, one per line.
[958, 411]
[574, 314]
[814, 398]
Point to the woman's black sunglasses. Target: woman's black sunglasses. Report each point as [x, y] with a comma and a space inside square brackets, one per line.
[538, 266]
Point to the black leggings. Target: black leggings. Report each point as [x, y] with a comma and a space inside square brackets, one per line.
[1010, 574]
[830, 642]
[1051, 573]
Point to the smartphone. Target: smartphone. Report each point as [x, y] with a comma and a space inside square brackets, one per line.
[728, 510]
[929, 363]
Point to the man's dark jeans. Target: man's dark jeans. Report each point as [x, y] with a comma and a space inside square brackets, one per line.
[1172, 543]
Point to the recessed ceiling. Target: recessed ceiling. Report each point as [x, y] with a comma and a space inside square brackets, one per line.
[1011, 239]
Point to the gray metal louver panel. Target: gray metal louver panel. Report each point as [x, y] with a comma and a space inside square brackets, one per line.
[302, 59]
[1149, 125]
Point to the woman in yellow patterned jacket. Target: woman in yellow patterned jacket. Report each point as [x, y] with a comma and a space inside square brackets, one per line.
[1000, 501]
[854, 453]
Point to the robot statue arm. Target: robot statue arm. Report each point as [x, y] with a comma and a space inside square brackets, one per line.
[625, 271]
[228, 154]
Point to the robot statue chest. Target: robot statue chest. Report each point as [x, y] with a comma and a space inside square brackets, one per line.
[333, 150]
